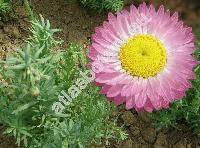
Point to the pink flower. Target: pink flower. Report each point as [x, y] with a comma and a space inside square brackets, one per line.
[145, 57]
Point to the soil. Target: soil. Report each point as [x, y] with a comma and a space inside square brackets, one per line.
[6, 142]
[142, 133]
[77, 25]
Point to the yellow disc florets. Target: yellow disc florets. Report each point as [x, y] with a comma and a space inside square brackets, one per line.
[143, 56]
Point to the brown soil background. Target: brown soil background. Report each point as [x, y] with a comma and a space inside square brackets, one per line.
[77, 25]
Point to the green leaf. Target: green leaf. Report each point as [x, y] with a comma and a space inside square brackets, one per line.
[25, 133]
[12, 60]
[17, 67]
[71, 124]
[61, 115]
[23, 107]
[39, 51]
[21, 53]
[44, 60]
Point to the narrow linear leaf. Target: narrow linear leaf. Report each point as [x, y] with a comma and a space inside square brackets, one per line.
[23, 107]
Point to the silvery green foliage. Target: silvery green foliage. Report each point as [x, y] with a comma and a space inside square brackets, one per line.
[31, 81]
[186, 110]
[42, 35]
[112, 5]
[27, 88]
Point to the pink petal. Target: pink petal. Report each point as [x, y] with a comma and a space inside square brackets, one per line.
[114, 90]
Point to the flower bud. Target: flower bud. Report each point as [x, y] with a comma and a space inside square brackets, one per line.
[5, 66]
[28, 72]
[35, 91]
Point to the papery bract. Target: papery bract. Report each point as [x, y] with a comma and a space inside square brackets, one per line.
[145, 58]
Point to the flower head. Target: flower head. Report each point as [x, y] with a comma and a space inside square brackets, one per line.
[145, 58]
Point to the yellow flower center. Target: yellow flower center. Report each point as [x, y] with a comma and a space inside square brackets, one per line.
[143, 56]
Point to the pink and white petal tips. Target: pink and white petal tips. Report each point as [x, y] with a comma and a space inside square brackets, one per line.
[143, 93]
